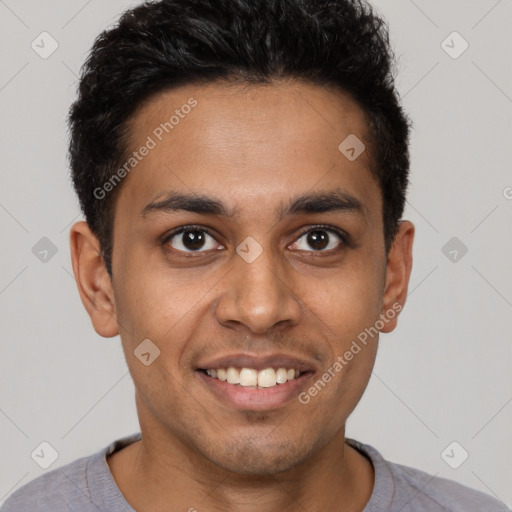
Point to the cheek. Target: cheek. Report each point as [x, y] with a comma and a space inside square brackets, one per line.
[168, 310]
[348, 302]
[154, 303]
[346, 309]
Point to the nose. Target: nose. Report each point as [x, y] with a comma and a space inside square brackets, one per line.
[258, 295]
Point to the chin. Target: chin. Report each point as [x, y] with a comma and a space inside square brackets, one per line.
[251, 457]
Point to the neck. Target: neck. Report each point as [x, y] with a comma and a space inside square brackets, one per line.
[160, 470]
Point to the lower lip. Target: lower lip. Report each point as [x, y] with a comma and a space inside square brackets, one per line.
[256, 399]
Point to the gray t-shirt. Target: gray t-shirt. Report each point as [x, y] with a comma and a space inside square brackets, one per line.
[87, 485]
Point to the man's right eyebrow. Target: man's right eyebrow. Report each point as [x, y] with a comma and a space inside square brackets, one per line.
[176, 201]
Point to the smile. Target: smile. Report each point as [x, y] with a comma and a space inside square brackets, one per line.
[250, 377]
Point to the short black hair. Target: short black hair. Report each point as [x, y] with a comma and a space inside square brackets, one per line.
[164, 44]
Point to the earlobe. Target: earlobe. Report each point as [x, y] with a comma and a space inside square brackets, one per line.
[398, 271]
[92, 279]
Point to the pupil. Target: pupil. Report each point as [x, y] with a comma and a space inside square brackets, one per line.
[193, 240]
[318, 239]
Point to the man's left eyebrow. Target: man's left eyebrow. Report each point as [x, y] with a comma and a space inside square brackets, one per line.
[335, 200]
[309, 203]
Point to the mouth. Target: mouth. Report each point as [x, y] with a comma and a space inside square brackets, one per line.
[249, 383]
[250, 377]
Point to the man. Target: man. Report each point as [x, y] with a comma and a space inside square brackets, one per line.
[242, 167]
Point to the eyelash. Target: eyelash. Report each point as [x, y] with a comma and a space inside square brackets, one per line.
[344, 238]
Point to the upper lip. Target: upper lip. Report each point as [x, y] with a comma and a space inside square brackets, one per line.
[258, 362]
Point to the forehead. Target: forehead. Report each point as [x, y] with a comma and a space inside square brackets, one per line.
[255, 143]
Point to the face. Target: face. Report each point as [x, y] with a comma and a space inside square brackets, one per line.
[248, 246]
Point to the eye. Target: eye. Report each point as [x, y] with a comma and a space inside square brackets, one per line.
[191, 239]
[320, 239]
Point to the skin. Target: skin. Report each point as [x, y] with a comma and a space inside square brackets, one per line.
[251, 147]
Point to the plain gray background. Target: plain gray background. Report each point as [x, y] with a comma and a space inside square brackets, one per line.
[444, 375]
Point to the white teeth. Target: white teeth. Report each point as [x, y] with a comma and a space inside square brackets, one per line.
[248, 377]
[281, 376]
[266, 378]
[233, 375]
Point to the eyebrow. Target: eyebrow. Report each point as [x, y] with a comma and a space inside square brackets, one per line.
[318, 202]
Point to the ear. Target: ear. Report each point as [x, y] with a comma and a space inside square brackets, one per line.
[398, 271]
[92, 279]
